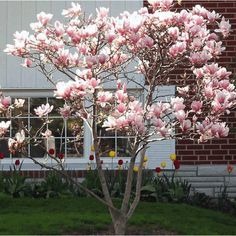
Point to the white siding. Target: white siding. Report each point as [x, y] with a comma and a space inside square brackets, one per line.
[17, 15]
[161, 150]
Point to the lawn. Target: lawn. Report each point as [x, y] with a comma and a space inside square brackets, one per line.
[87, 216]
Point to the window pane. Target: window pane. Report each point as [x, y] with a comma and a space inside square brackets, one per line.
[21, 154]
[57, 127]
[35, 125]
[60, 145]
[18, 124]
[74, 127]
[57, 103]
[75, 148]
[38, 150]
[4, 148]
[107, 145]
[24, 118]
[36, 102]
[123, 147]
[44, 145]
[103, 133]
[22, 111]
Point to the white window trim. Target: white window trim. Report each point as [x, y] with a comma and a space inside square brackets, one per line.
[71, 163]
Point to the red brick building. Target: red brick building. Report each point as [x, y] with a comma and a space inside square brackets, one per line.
[220, 151]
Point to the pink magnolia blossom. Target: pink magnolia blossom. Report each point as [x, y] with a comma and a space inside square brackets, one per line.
[158, 109]
[136, 121]
[122, 122]
[47, 134]
[222, 73]
[200, 58]
[102, 12]
[186, 125]
[104, 98]
[27, 63]
[177, 49]
[17, 142]
[109, 123]
[65, 111]
[121, 96]
[196, 106]
[214, 47]
[18, 103]
[219, 130]
[180, 115]
[5, 102]
[4, 126]
[163, 131]
[208, 92]
[162, 4]
[75, 10]
[110, 36]
[102, 58]
[94, 83]
[177, 104]
[121, 108]
[136, 107]
[59, 28]
[43, 110]
[21, 36]
[183, 90]
[174, 32]
[20, 137]
[224, 27]
[44, 18]
[222, 102]
[63, 89]
[159, 123]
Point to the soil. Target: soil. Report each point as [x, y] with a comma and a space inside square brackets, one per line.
[132, 230]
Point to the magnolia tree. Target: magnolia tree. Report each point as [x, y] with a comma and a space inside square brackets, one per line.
[143, 48]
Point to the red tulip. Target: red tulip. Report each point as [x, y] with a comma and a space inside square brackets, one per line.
[91, 157]
[230, 168]
[176, 164]
[60, 155]
[17, 162]
[1, 155]
[51, 151]
[120, 162]
[158, 170]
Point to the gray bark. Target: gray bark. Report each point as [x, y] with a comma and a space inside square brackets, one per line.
[119, 221]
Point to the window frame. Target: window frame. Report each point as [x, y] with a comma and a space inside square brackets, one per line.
[70, 163]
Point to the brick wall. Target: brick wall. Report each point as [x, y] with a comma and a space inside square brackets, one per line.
[221, 151]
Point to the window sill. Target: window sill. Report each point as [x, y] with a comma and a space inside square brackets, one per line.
[70, 163]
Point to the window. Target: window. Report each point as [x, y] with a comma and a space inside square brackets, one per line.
[65, 131]
[115, 140]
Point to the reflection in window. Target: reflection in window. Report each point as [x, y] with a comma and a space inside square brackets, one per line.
[4, 147]
[66, 132]
[75, 147]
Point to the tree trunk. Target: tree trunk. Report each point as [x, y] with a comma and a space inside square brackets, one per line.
[119, 222]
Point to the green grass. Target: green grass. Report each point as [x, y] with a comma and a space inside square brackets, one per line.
[87, 216]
